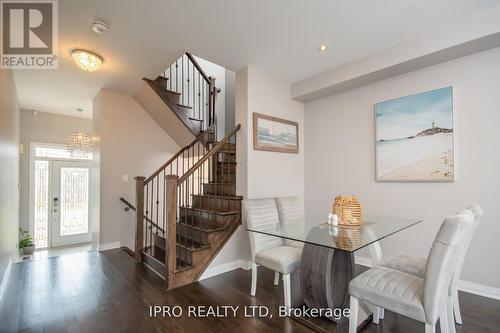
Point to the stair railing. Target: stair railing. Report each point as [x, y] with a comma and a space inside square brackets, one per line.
[151, 192]
[158, 197]
[197, 90]
[210, 175]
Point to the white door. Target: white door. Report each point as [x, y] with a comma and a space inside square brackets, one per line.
[70, 202]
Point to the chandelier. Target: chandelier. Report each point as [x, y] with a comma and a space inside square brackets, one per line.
[79, 141]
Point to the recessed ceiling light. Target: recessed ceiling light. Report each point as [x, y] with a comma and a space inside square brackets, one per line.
[86, 60]
[323, 47]
[100, 27]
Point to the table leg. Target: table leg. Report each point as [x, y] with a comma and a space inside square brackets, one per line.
[324, 282]
[325, 276]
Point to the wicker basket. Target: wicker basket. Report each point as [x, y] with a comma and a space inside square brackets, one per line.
[349, 238]
[348, 209]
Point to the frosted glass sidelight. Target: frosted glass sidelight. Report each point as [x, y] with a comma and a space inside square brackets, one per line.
[41, 211]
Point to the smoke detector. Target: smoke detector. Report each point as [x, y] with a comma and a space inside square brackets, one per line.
[100, 27]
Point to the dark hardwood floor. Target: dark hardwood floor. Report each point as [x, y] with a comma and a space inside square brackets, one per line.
[108, 292]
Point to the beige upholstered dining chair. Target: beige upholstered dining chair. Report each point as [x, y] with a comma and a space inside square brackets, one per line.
[269, 251]
[289, 212]
[421, 298]
[416, 266]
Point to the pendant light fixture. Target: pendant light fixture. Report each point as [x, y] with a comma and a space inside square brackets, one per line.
[79, 141]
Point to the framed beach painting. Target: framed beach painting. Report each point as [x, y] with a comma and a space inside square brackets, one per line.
[275, 134]
[414, 137]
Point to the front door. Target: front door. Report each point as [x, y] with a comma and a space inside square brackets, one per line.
[70, 202]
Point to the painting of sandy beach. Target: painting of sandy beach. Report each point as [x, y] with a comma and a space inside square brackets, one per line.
[414, 137]
[275, 134]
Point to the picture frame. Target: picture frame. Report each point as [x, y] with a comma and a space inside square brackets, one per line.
[415, 137]
[275, 134]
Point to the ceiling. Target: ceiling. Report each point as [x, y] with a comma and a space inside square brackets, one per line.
[280, 36]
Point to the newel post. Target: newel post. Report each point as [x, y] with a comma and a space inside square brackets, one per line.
[139, 214]
[212, 103]
[170, 240]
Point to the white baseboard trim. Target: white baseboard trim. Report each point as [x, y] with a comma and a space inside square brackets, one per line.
[479, 289]
[109, 246]
[465, 286]
[5, 280]
[224, 268]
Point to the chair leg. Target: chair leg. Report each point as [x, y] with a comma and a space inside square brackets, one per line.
[254, 279]
[382, 313]
[443, 321]
[376, 315]
[429, 328]
[287, 291]
[276, 278]
[353, 317]
[451, 320]
[456, 307]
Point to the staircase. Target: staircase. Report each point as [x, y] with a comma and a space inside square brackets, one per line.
[188, 209]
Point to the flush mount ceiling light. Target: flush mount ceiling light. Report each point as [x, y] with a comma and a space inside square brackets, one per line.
[323, 47]
[86, 60]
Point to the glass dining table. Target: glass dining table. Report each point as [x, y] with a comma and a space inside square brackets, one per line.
[327, 262]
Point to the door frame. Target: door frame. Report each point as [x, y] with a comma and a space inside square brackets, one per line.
[70, 239]
[31, 188]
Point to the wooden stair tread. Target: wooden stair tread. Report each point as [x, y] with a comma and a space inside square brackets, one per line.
[195, 119]
[172, 92]
[226, 197]
[184, 106]
[196, 225]
[210, 211]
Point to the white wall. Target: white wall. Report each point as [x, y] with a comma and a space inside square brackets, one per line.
[340, 159]
[262, 174]
[130, 143]
[9, 172]
[219, 73]
[46, 128]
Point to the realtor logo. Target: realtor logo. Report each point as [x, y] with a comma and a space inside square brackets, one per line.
[29, 34]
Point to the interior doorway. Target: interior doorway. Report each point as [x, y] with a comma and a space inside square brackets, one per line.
[60, 196]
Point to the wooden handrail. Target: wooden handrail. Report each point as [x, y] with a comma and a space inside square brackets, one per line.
[165, 165]
[208, 155]
[198, 67]
[129, 205]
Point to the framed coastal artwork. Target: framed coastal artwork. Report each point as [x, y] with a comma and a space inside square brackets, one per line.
[414, 137]
[275, 134]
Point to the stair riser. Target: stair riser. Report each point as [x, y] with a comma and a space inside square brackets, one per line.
[193, 258]
[159, 241]
[225, 157]
[172, 96]
[226, 178]
[219, 189]
[184, 254]
[162, 82]
[216, 204]
[207, 220]
[226, 148]
[225, 168]
[191, 233]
